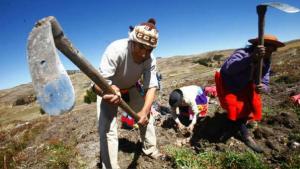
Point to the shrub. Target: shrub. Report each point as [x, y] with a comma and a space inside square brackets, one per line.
[287, 79]
[42, 111]
[90, 96]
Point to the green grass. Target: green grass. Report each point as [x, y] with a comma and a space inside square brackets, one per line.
[246, 160]
[15, 145]
[186, 158]
[268, 111]
[58, 155]
[296, 109]
[292, 162]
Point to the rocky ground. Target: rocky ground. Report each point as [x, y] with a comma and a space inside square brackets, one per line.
[29, 139]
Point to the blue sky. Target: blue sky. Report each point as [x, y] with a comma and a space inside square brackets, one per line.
[185, 27]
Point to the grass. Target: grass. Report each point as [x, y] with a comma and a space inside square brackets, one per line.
[268, 111]
[186, 158]
[14, 145]
[58, 155]
[292, 162]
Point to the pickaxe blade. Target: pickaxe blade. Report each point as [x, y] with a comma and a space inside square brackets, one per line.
[51, 82]
[281, 6]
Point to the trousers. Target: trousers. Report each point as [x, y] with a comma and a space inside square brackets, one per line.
[107, 127]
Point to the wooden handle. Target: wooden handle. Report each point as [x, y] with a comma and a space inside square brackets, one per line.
[66, 47]
[261, 11]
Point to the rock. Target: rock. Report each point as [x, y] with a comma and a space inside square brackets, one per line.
[272, 145]
[294, 145]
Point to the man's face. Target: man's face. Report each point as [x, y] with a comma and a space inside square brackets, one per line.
[140, 52]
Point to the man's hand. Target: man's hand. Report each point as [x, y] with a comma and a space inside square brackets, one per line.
[143, 118]
[260, 88]
[113, 98]
[258, 53]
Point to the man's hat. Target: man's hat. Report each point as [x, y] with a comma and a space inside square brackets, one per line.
[145, 33]
[268, 39]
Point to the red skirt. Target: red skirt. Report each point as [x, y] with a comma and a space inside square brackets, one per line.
[243, 104]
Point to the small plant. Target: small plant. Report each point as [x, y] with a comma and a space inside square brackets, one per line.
[287, 79]
[42, 111]
[203, 61]
[268, 111]
[90, 97]
[218, 57]
[58, 155]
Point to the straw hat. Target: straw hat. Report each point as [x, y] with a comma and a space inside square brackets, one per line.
[268, 39]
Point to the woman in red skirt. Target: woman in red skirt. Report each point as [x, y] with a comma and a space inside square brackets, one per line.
[238, 89]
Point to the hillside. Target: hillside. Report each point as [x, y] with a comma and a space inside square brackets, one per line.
[29, 139]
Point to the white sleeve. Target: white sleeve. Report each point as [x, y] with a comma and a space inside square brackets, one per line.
[195, 110]
[108, 64]
[150, 79]
[175, 113]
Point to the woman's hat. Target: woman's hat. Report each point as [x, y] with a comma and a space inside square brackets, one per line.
[268, 39]
[175, 98]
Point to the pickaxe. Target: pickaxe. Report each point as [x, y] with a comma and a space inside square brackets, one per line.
[261, 11]
[51, 82]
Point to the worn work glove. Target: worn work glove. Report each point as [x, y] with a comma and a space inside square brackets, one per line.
[258, 53]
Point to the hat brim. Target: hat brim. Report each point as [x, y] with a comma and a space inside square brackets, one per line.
[268, 41]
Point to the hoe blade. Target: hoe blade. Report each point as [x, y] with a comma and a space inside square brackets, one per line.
[51, 82]
[283, 7]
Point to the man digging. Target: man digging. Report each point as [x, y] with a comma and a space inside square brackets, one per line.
[123, 63]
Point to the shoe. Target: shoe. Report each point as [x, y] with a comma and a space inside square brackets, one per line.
[157, 156]
[252, 144]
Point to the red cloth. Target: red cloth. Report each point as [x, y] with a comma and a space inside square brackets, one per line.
[243, 104]
[211, 91]
[296, 99]
[129, 121]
